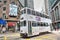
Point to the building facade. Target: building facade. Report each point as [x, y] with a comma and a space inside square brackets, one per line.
[10, 11]
[46, 7]
[27, 3]
[54, 9]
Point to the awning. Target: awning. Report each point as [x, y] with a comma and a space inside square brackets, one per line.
[2, 22]
[11, 24]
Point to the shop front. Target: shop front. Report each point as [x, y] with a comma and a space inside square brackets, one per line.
[2, 25]
[11, 26]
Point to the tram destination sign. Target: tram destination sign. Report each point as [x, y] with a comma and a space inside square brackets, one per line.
[38, 18]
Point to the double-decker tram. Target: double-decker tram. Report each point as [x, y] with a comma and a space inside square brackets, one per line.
[33, 22]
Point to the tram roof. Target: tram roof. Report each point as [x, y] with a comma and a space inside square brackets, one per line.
[33, 10]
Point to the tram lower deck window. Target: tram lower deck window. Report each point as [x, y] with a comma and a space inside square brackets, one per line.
[24, 23]
[34, 24]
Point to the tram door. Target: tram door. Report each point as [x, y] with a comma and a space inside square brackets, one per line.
[29, 28]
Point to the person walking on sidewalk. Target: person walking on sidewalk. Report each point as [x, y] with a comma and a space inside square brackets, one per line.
[3, 29]
[0, 29]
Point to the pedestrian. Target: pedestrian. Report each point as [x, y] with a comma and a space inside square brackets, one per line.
[3, 29]
[0, 29]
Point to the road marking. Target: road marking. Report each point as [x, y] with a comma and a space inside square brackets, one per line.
[45, 37]
[12, 35]
[34, 39]
[5, 38]
[28, 39]
[38, 39]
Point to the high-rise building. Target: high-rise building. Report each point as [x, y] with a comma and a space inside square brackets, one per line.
[10, 11]
[27, 3]
[54, 9]
[46, 7]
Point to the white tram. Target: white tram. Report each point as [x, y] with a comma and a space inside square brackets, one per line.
[33, 22]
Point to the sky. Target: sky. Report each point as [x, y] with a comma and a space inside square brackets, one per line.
[38, 5]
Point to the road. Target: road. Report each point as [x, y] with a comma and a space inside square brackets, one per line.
[45, 36]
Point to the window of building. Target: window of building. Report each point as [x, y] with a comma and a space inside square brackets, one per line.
[4, 15]
[25, 3]
[12, 2]
[4, 8]
[5, 2]
[0, 6]
[0, 0]
[57, 13]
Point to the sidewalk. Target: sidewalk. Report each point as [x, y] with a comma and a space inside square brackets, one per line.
[10, 35]
[57, 32]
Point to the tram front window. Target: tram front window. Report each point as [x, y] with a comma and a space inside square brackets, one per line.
[23, 11]
[23, 23]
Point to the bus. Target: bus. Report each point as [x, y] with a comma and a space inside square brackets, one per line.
[33, 22]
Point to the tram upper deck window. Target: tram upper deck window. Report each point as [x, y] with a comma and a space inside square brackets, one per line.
[45, 16]
[33, 12]
[28, 11]
[41, 15]
[37, 14]
[22, 12]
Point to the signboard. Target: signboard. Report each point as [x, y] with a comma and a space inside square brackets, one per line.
[38, 18]
[13, 10]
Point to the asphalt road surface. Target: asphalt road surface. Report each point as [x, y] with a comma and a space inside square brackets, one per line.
[44, 36]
